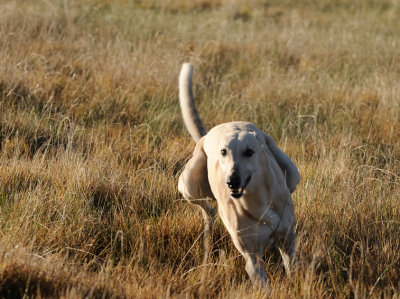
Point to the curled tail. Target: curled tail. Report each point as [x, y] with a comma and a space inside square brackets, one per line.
[191, 117]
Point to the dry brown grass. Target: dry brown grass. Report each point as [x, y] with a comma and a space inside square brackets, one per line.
[92, 143]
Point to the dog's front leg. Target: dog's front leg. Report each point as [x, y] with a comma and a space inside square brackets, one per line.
[255, 270]
[288, 252]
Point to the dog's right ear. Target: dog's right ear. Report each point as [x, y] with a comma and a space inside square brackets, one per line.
[193, 181]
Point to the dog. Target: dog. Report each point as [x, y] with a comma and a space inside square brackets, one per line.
[250, 178]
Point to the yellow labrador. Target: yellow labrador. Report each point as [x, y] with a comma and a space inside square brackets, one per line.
[250, 177]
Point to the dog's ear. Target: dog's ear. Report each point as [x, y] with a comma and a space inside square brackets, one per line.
[193, 181]
[288, 168]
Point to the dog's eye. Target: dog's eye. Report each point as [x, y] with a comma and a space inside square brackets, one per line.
[223, 152]
[248, 153]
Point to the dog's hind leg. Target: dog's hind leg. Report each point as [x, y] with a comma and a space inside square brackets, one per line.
[209, 215]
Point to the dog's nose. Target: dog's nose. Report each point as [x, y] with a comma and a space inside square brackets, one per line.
[233, 181]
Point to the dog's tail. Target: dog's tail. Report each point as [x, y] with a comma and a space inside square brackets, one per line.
[191, 117]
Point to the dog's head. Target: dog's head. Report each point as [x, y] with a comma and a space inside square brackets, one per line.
[229, 157]
[236, 155]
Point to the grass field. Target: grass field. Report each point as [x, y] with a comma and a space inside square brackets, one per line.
[92, 143]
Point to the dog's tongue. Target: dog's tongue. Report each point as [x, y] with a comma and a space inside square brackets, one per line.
[237, 193]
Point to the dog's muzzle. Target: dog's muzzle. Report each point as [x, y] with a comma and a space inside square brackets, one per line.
[234, 184]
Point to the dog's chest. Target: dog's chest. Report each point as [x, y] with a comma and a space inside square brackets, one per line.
[238, 216]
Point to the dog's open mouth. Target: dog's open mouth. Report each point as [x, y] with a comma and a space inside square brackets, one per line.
[237, 193]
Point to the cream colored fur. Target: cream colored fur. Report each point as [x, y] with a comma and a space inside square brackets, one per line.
[249, 176]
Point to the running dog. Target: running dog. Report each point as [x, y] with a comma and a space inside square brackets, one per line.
[251, 179]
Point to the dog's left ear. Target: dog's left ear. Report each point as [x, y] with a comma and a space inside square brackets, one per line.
[288, 168]
[193, 181]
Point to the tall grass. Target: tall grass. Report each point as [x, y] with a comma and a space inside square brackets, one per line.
[92, 143]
